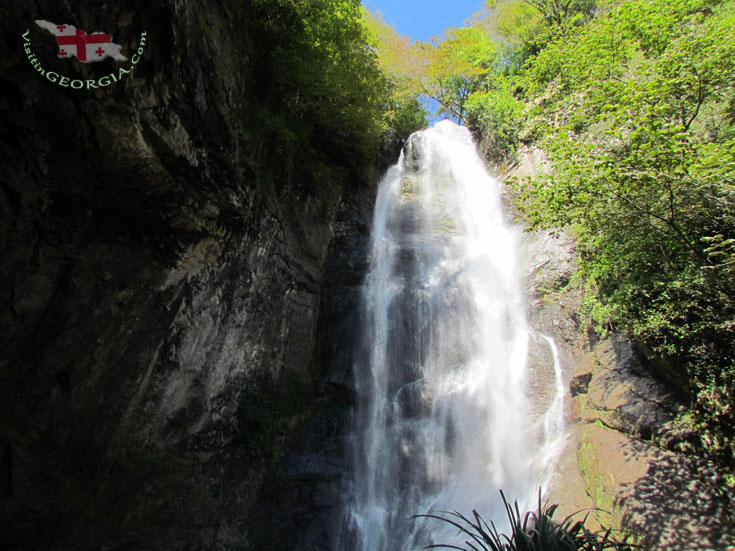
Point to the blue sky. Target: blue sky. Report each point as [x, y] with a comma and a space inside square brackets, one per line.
[422, 19]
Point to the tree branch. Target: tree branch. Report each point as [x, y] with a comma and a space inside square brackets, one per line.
[700, 99]
[678, 233]
[446, 106]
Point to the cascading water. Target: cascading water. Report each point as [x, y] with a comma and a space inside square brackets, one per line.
[443, 419]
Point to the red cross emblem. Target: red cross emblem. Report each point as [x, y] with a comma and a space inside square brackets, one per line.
[81, 39]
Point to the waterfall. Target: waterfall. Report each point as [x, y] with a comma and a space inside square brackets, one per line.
[444, 417]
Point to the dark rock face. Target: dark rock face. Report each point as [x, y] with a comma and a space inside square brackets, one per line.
[301, 507]
[623, 394]
[580, 384]
[163, 264]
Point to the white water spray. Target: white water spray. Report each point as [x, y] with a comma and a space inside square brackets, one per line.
[443, 415]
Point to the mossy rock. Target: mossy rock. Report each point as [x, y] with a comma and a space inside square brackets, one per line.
[599, 480]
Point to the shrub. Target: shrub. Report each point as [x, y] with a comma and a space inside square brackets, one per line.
[534, 531]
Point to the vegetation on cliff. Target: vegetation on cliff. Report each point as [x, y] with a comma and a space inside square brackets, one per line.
[637, 116]
[319, 85]
[635, 104]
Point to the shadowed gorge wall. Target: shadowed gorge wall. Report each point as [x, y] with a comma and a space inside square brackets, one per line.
[163, 268]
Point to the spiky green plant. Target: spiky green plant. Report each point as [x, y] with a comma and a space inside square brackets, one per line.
[534, 531]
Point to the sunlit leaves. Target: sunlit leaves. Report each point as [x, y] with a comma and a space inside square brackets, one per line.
[637, 119]
[498, 116]
[517, 25]
[457, 65]
[402, 60]
[404, 64]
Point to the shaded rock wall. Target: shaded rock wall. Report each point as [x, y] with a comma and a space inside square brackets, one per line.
[301, 507]
[162, 275]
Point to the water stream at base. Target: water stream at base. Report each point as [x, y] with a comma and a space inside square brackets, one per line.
[444, 415]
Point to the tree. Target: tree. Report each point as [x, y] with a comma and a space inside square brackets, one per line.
[458, 65]
[637, 121]
[525, 27]
[403, 62]
[563, 14]
[318, 78]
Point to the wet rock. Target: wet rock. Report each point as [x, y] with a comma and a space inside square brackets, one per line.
[580, 384]
[669, 501]
[301, 506]
[623, 396]
[413, 152]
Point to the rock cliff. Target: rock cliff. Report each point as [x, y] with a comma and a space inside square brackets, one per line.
[166, 283]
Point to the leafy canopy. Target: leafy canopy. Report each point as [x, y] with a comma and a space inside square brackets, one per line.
[637, 118]
[316, 78]
[403, 62]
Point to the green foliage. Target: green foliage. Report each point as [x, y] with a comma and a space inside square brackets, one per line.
[534, 531]
[458, 64]
[517, 25]
[317, 84]
[470, 71]
[562, 16]
[526, 27]
[637, 120]
[498, 116]
[403, 63]
[406, 117]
